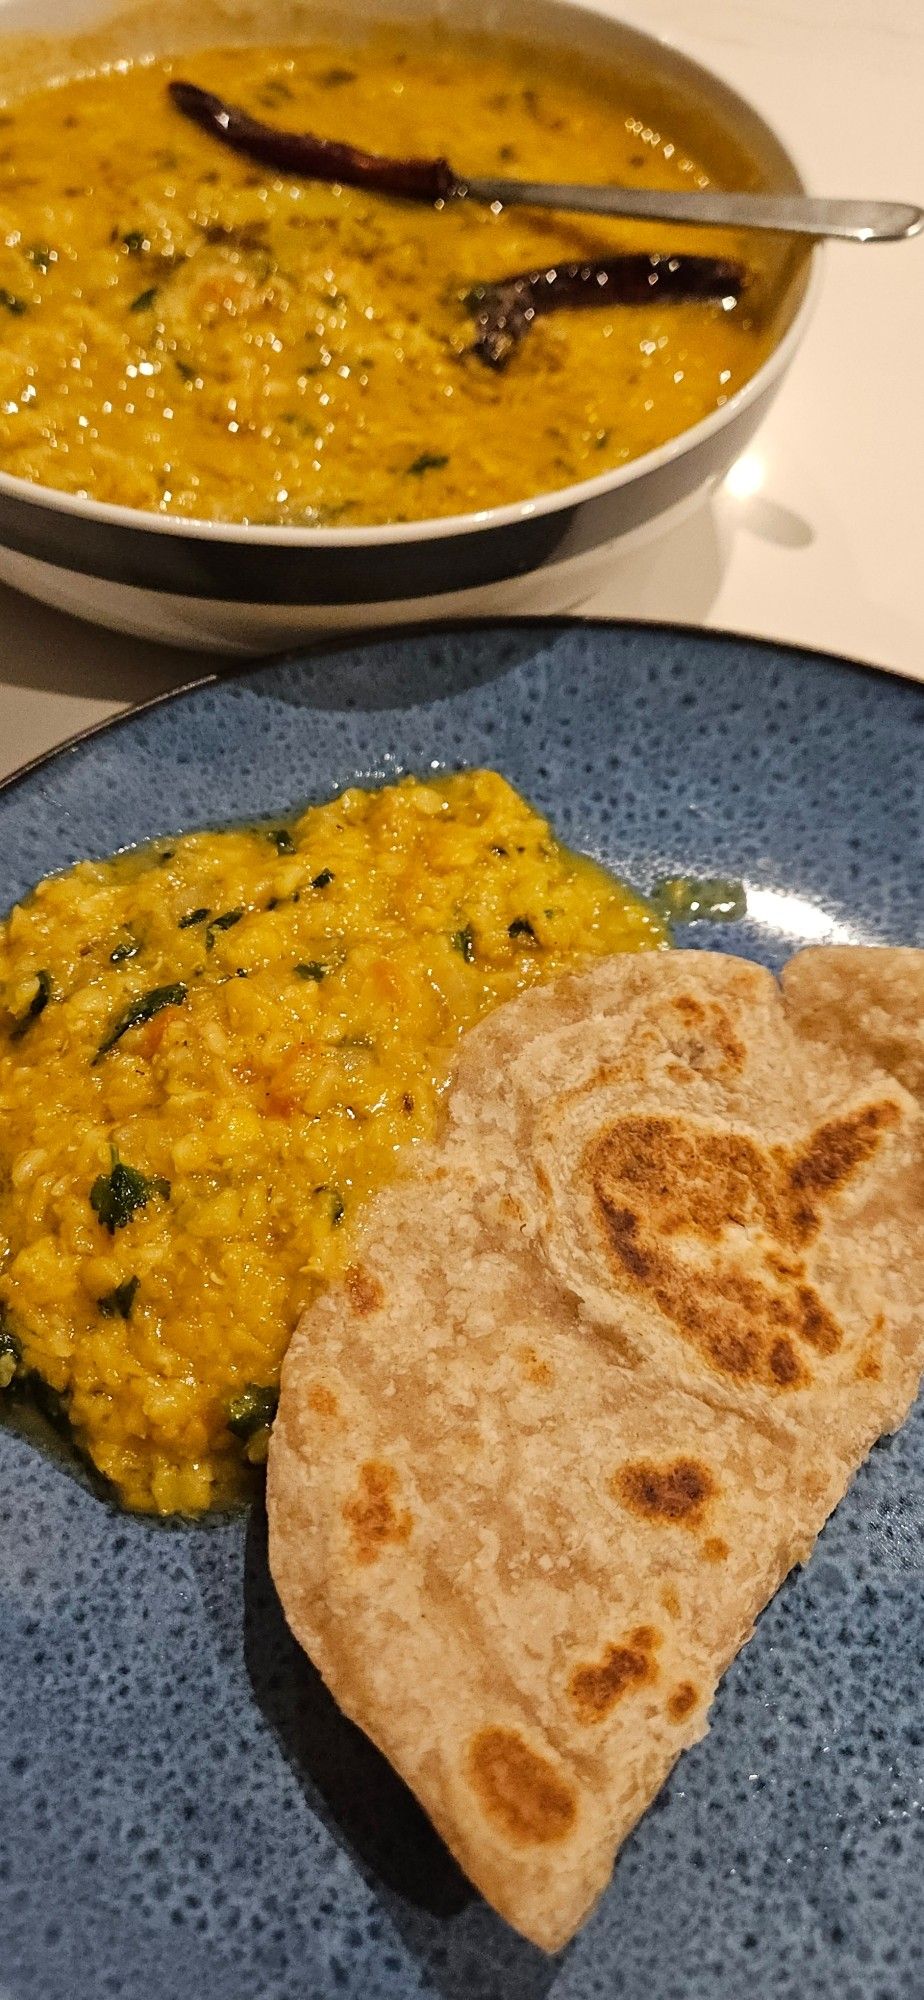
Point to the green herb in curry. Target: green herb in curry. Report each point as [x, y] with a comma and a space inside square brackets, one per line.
[114, 1197]
[37, 1006]
[143, 1008]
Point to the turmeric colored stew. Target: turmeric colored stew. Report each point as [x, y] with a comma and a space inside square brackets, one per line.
[188, 331]
[212, 1050]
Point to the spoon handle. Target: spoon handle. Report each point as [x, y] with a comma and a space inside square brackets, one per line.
[799, 215]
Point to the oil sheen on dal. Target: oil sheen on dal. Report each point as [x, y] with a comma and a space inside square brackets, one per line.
[211, 1050]
[185, 332]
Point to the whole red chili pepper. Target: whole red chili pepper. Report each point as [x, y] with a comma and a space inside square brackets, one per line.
[505, 310]
[317, 159]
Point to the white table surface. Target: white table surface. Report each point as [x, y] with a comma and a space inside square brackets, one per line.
[818, 536]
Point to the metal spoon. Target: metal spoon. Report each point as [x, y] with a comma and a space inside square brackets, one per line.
[437, 181]
[795, 214]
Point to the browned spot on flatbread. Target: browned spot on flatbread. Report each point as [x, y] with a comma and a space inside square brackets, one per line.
[784, 1267]
[744, 980]
[710, 1043]
[596, 1687]
[536, 1370]
[663, 1188]
[833, 1153]
[680, 1702]
[679, 1491]
[372, 1515]
[670, 1601]
[363, 1290]
[783, 1363]
[688, 1007]
[869, 1365]
[520, 1790]
[322, 1400]
[715, 1549]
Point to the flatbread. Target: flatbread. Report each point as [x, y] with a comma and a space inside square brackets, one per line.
[603, 1365]
[863, 1006]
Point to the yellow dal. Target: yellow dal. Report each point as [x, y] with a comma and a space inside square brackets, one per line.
[187, 332]
[269, 1102]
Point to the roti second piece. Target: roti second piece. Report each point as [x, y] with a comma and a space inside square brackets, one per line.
[601, 1368]
[863, 1006]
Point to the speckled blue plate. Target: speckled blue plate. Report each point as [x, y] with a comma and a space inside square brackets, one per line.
[183, 1812]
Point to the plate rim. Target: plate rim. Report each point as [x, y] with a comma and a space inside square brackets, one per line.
[236, 672]
[341, 642]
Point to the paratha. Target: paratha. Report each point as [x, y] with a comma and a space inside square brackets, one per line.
[603, 1365]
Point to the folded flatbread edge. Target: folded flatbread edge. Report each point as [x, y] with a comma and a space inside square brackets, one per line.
[519, 1551]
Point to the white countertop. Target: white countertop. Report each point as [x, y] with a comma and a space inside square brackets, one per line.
[818, 535]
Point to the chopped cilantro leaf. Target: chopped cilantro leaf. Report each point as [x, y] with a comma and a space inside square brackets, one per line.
[37, 1006]
[118, 1303]
[128, 947]
[253, 1410]
[464, 941]
[226, 922]
[429, 461]
[115, 1196]
[142, 1008]
[337, 1209]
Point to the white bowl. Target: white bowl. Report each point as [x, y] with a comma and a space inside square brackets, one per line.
[236, 588]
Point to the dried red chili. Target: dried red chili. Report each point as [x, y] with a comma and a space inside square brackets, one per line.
[303, 153]
[505, 310]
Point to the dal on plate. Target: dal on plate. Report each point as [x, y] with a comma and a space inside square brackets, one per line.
[211, 1050]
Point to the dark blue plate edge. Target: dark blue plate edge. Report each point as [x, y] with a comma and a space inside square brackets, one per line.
[380, 635]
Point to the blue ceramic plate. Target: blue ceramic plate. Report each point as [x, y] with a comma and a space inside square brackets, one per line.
[182, 1809]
